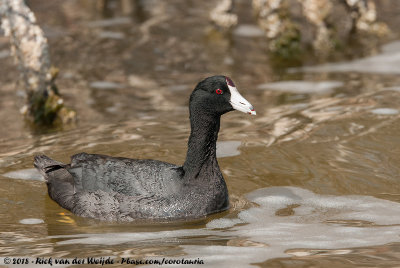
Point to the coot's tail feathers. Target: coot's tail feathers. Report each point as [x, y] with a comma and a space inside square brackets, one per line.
[60, 182]
[46, 165]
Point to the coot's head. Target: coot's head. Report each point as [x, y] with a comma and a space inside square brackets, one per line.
[218, 95]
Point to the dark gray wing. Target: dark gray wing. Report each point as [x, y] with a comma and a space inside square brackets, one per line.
[133, 177]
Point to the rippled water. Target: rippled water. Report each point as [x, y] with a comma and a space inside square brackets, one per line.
[313, 178]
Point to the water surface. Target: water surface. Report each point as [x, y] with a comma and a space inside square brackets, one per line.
[313, 178]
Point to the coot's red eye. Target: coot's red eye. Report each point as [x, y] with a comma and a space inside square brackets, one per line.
[219, 91]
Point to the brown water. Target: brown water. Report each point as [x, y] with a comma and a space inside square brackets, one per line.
[313, 178]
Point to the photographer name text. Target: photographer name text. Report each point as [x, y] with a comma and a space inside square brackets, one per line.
[97, 261]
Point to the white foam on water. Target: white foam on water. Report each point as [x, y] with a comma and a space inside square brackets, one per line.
[111, 35]
[319, 221]
[285, 218]
[394, 88]
[25, 174]
[105, 85]
[385, 111]
[391, 47]
[388, 62]
[302, 87]
[223, 223]
[228, 148]
[248, 30]
[31, 221]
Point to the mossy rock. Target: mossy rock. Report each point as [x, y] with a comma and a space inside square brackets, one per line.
[47, 109]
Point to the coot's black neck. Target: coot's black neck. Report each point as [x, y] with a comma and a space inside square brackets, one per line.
[201, 161]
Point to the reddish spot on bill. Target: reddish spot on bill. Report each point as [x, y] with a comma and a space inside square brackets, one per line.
[229, 81]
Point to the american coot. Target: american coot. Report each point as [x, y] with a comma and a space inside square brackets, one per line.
[123, 189]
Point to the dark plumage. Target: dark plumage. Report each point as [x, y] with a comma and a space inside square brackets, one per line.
[114, 188]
